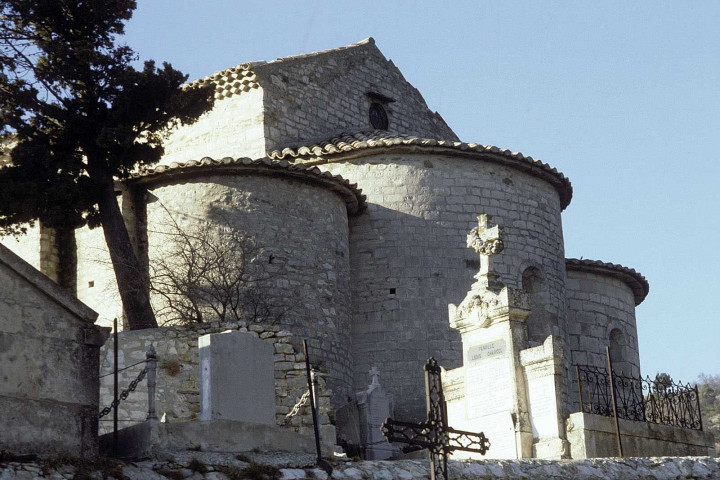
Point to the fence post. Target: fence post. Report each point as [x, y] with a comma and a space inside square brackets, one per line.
[697, 398]
[614, 401]
[115, 388]
[151, 360]
[577, 374]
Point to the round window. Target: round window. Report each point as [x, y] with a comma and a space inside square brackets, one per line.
[378, 117]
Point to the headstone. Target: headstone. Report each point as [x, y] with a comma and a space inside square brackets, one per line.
[376, 405]
[237, 378]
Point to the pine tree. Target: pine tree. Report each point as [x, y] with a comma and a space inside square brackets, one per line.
[81, 118]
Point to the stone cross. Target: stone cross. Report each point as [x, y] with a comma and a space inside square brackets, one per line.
[375, 377]
[487, 241]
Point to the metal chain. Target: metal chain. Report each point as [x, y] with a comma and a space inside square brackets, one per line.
[296, 409]
[124, 394]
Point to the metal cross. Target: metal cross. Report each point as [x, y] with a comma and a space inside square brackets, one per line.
[434, 434]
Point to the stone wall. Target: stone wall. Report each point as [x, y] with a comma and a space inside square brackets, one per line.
[316, 96]
[25, 246]
[96, 283]
[597, 305]
[49, 357]
[178, 388]
[593, 436]
[233, 128]
[667, 468]
[410, 260]
[301, 232]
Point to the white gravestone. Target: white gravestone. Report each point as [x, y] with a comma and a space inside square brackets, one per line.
[237, 378]
[376, 405]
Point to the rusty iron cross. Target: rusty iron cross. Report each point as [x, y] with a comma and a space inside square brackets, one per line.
[434, 434]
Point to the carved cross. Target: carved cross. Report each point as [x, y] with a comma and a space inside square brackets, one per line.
[375, 376]
[434, 434]
[487, 241]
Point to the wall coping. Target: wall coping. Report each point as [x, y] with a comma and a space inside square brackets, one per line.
[46, 286]
[632, 278]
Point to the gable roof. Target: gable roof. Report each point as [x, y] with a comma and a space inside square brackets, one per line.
[375, 141]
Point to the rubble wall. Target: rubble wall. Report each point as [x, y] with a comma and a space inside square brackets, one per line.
[178, 377]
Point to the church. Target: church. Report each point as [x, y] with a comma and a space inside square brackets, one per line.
[362, 199]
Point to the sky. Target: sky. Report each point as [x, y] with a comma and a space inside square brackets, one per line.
[622, 97]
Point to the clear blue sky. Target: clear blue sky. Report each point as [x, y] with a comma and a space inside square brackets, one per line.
[622, 97]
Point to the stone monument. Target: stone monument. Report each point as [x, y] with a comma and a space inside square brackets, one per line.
[375, 405]
[237, 378]
[490, 393]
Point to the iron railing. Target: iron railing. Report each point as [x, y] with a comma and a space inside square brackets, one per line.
[659, 400]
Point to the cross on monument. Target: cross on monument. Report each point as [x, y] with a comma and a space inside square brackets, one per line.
[375, 377]
[487, 241]
[434, 434]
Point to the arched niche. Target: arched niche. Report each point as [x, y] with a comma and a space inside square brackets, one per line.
[538, 322]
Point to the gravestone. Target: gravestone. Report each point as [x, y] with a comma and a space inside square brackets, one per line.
[237, 378]
[375, 405]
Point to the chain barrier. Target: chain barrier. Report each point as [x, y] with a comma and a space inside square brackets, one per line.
[125, 393]
[296, 409]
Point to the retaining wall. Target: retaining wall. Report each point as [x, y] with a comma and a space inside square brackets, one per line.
[178, 388]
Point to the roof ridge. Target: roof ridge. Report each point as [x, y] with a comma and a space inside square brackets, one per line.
[369, 139]
[366, 41]
[242, 78]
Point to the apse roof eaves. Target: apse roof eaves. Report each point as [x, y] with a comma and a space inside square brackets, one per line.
[377, 139]
[352, 195]
[632, 278]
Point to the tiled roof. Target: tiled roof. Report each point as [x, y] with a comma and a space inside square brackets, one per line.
[633, 279]
[356, 143]
[231, 81]
[351, 194]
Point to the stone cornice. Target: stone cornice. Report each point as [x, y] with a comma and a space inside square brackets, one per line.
[164, 174]
[633, 279]
[346, 146]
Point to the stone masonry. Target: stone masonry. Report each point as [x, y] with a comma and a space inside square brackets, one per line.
[178, 390]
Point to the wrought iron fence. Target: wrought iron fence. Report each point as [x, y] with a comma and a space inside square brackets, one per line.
[659, 400]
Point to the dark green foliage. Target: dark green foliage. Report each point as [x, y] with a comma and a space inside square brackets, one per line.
[197, 466]
[84, 467]
[170, 473]
[80, 117]
[254, 471]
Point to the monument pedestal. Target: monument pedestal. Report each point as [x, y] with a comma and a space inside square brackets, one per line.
[543, 369]
[493, 399]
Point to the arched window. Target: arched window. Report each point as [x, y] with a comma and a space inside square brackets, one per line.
[617, 352]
